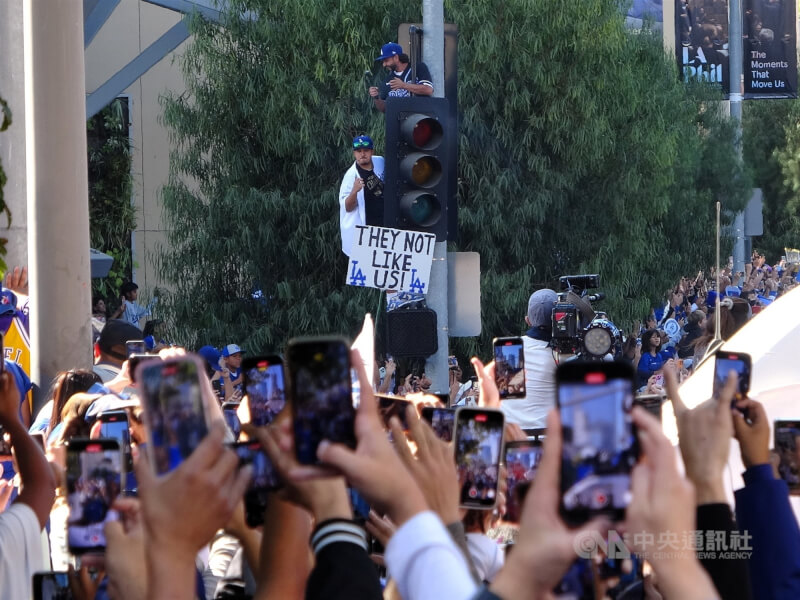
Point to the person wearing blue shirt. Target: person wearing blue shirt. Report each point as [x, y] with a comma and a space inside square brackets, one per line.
[653, 357]
[764, 514]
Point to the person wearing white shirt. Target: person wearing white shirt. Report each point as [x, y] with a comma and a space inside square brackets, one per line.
[531, 411]
[361, 193]
[21, 524]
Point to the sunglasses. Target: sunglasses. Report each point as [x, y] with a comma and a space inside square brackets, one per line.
[361, 144]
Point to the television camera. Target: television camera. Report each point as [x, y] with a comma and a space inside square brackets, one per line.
[579, 329]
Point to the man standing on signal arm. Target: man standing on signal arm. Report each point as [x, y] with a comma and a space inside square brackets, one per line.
[361, 192]
[399, 83]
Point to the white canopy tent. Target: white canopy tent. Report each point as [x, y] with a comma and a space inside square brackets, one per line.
[772, 339]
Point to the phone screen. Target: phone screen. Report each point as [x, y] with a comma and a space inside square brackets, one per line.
[732, 361]
[599, 442]
[133, 362]
[478, 442]
[265, 389]
[53, 585]
[5, 444]
[441, 420]
[114, 425]
[391, 406]
[509, 367]
[94, 480]
[173, 411]
[322, 399]
[135, 347]
[787, 445]
[265, 480]
[232, 418]
[522, 460]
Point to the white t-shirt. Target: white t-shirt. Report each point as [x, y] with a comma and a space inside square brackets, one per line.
[20, 551]
[486, 554]
[531, 411]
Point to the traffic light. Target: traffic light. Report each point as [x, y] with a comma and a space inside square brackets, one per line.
[418, 179]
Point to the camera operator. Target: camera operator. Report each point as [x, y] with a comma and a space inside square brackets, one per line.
[530, 412]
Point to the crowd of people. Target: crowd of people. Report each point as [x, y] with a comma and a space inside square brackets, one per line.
[183, 534]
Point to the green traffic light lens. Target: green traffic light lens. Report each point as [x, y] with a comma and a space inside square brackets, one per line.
[421, 209]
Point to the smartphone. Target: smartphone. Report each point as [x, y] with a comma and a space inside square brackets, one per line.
[114, 425]
[263, 383]
[135, 347]
[321, 394]
[51, 585]
[724, 363]
[134, 360]
[232, 418]
[392, 406]
[787, 436]
[479, 445]
[173, 409]
[95, 478]
[39, 439]
[5, 445]
[599, 439]
[651, 403]
[509, 367]
[521, 459]
[265, 480]
[441, 420]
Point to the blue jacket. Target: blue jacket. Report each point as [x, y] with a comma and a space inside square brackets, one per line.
[763, 511]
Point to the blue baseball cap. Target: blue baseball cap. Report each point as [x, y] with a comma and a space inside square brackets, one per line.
[231, 349]
[389, 50]
[362, 141]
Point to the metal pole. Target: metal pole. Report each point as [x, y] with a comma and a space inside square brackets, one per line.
[433, 53]
[58, 206]
[735, 69]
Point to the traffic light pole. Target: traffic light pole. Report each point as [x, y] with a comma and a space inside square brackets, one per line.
[433, 53]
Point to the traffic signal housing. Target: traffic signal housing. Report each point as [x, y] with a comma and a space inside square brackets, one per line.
[419, 168]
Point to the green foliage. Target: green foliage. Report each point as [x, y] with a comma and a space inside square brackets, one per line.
[262, 139]
[772, 152]
[5, 122]
[112, 217]
[581, 152]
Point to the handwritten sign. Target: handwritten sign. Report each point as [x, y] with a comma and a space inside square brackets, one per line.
[391, 259]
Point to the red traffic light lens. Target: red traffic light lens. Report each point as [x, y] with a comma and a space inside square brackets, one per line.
[421, 131]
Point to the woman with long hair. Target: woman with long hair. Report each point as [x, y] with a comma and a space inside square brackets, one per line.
[64, 386]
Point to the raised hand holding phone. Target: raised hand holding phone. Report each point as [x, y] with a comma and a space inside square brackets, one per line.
[704, 435]
[373, 467]
[176, 529]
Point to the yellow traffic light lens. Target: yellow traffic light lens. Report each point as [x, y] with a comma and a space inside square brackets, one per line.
[422, 170]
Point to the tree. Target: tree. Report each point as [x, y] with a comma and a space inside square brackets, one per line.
[5, 122]
[579, 152]
[771, 147]
[262, 137]
[111, 215]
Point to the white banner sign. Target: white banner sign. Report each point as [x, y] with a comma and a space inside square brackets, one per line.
[391, 259]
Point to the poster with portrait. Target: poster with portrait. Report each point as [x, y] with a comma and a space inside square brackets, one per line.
[701, 29]
[769, 48]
